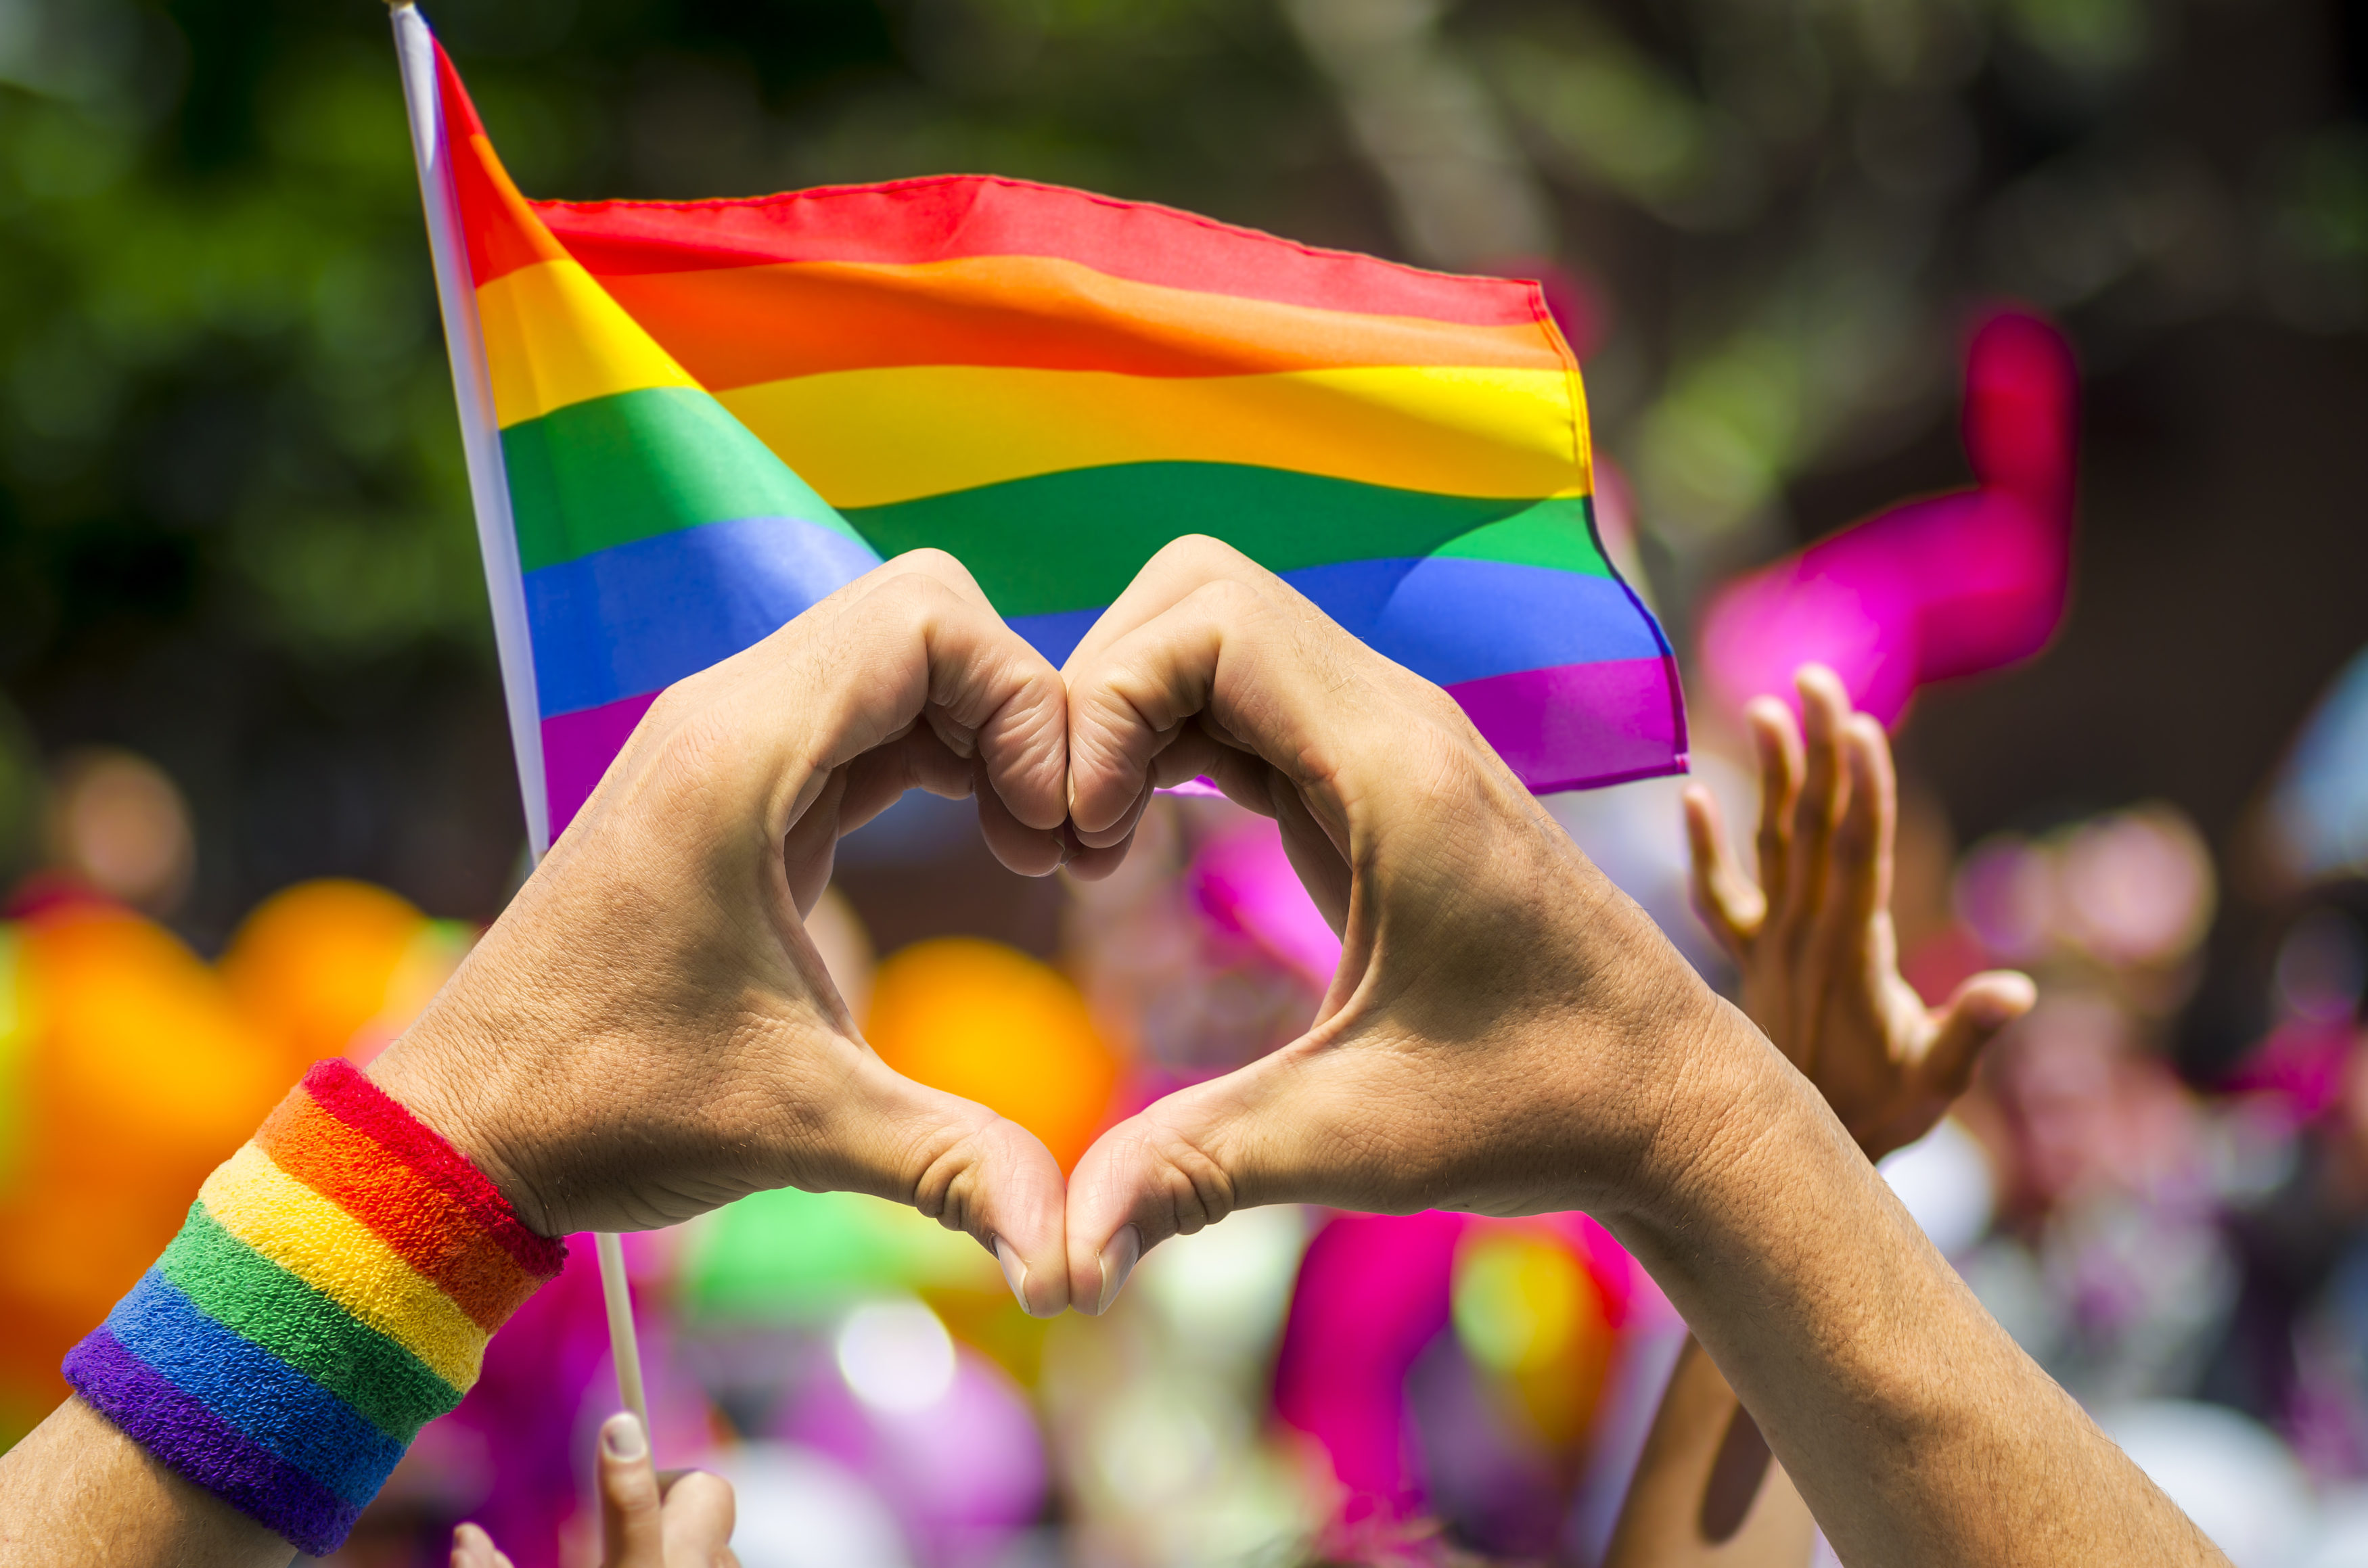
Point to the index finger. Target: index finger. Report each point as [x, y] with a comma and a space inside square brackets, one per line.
[911, 642]
[1204, 630]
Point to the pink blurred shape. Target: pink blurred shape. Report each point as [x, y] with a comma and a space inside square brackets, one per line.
[964, 1474]
[1936, 588]
[1373, 1291]
[1247, 886]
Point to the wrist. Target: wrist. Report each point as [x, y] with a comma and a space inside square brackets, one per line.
[331, 1291]
[447, 1073]
[1735, 1112]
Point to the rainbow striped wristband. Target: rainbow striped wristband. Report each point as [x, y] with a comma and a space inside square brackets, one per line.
[331, 1293]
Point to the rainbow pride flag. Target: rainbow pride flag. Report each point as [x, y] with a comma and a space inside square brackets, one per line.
[688, 421]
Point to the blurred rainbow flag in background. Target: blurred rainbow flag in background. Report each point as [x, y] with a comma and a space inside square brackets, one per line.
[688, 421]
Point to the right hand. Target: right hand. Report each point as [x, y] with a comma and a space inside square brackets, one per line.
[682, 1520]
[648, 1032]
[1506, 1033]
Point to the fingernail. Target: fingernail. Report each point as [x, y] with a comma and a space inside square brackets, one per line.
[1015, 1274]
[622, 1440]
[1119, 1258]
[466, 1554]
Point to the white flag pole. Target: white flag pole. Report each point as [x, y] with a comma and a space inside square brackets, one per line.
[481, 440]
[473, 389]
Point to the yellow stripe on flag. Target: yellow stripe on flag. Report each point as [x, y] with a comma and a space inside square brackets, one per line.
[319, 1242]
[874, 437]
[554, 337]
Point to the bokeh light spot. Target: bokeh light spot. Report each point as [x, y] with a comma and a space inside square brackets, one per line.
[897, 1356]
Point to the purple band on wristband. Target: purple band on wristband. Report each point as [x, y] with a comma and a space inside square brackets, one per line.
[204, 1448]
[331, 1291]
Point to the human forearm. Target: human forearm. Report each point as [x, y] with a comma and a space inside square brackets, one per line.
[76, 1490]
[1915, 1427]
[647, 1033]
[1508, 1033]
[1706, 1494]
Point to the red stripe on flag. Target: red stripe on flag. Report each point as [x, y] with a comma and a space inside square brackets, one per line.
[949, 216]
[500, 230]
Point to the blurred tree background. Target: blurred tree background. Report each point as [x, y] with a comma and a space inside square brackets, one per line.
[235, 533]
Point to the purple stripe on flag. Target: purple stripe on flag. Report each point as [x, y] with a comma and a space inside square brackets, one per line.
[577, 748]
[1576, 726]
[177, 1428]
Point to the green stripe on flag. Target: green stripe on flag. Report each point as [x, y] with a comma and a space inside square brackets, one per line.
[1558, 533]
[614, 469]
[1074, 540]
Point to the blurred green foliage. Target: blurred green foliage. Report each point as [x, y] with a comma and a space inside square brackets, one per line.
[226, 435]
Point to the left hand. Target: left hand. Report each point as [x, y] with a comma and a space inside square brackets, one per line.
[1814, 936]
[648, 1032]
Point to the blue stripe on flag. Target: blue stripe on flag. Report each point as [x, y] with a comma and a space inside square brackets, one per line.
[641, 616]
[1448, 619]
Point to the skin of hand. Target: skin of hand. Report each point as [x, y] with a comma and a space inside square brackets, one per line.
[1481, 948]
[75, 1490]
[1813, 939]
[1507, 1033]
[1819, 961]
[682, 1520]
[648, 1032]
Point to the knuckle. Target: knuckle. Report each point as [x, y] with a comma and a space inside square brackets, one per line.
[1198, 552]
[1226, 600]
[921, 591]
[948, 1179]
[930, 557]
[1185, 1185]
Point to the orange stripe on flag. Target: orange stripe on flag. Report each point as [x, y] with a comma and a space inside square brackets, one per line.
[741, 326]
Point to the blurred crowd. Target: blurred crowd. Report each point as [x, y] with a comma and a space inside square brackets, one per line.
[2188, 1258]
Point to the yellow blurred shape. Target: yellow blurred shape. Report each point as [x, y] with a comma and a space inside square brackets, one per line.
[138, 1076]
[987, 1022]
[1530, 1317]
[1516, 1301]
[335, 967]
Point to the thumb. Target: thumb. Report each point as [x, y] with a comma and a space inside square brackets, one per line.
[633, 1528]
[1975, 1013]
[1182, 1162]
[699, 1512]
[972, 1170]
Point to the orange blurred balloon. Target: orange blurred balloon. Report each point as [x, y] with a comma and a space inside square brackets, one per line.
[335, 967]
[133, 1076]
[989, 1023]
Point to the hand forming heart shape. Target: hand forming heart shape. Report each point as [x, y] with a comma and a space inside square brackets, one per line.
[648, 1032]
[1505, 1025]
